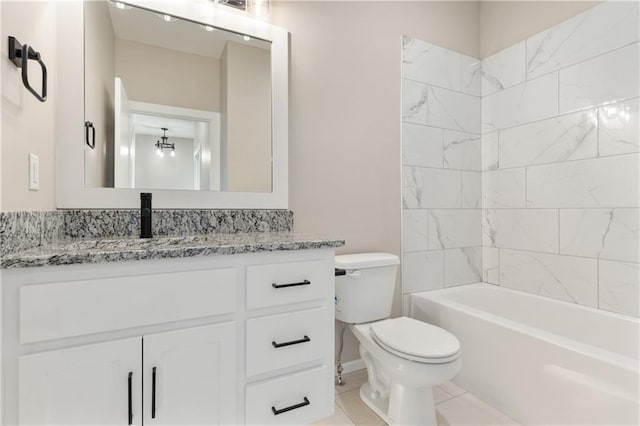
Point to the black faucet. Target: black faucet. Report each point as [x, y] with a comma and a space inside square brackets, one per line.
[145, 215]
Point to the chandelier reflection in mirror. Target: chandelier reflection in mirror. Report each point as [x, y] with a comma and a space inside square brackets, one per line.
[163, 143]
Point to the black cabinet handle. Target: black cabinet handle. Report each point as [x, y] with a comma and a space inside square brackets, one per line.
[293, 342]
[130, 396]
[292, 407]
[91, 143]
[153, 393]
[20, 54]
[305, 282]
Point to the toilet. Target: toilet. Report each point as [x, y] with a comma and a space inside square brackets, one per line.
[405, 358]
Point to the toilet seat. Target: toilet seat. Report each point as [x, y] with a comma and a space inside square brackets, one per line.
[416, 340]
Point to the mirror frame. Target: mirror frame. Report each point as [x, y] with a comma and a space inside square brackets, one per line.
[70, 188]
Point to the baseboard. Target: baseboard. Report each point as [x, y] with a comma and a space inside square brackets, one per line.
[351, 366]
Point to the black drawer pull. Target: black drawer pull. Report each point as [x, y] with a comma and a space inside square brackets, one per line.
[292, 407]
[293, 342]
[130, 398]
[153, 393]
[305, 282]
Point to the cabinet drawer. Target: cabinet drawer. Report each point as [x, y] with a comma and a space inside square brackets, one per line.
[285, 340]
[310, 392]
[284, 283]
[65, 309]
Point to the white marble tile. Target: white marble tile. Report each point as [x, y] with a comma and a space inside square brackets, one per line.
[568, 137]
[618, 128]
[599, 182]
[415, 230]
[573, 279]
[422, 271]
[454, 228]
[462, 266]
[462, 150]
[619, 287]
[424, 62]
[430, 188]
[605, 79]
[469, 410]
[504, 69]
[490, 151]
[490, 265]
[471, 74]
[421, 145]
[453, 110]
[471, 189]
[598, 30]
[524, 103]
[523, 229]
[504, 188]
[605, 233]
[414, 102]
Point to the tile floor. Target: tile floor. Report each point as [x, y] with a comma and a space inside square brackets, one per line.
[454, 406]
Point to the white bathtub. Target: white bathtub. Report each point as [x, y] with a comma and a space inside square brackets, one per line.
[538, 360]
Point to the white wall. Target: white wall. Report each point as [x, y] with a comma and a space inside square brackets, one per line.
[153, 171]
[27, 124]
[99, 88]
[167, 77]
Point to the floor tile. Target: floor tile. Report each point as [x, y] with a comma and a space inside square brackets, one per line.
[440, 395]
[339, 418]
[466, 409]
[352, 381]
[451, 389]
[356, 410]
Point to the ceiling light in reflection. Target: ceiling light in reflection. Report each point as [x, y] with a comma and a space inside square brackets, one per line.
[207, 28]
[246, 38]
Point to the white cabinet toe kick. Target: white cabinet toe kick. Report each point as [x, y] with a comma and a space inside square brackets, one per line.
[219, 340]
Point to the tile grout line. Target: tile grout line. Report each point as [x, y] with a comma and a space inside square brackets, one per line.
[563, 114]
[624, 154]
[529, 78]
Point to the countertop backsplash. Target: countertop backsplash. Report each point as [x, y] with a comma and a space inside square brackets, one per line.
[25, 230]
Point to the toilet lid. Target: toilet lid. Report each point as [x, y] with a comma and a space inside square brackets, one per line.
[416, 340]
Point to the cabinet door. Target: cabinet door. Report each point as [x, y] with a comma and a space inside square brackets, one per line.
[195, 376]
[97, 384]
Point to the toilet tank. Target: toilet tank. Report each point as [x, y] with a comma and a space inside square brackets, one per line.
[365, 292]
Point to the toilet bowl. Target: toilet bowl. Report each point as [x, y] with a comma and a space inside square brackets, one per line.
[401, 380]
[405, 358]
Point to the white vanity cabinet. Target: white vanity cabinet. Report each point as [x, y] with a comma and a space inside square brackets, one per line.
[235, 339]
[89, 384]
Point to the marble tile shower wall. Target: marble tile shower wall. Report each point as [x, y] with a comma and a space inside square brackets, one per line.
[561, 162]
[547, 199]
[442, 168]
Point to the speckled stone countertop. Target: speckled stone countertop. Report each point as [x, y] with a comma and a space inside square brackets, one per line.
[76, 251]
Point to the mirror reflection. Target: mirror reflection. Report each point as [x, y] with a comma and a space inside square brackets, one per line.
[173, 104]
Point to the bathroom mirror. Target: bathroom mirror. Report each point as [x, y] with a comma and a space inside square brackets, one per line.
[174, 104]
[213, 135]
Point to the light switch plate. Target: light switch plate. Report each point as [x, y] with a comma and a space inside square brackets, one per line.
[34, 172]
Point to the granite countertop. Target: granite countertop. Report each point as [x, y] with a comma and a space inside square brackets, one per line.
[76, 251]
